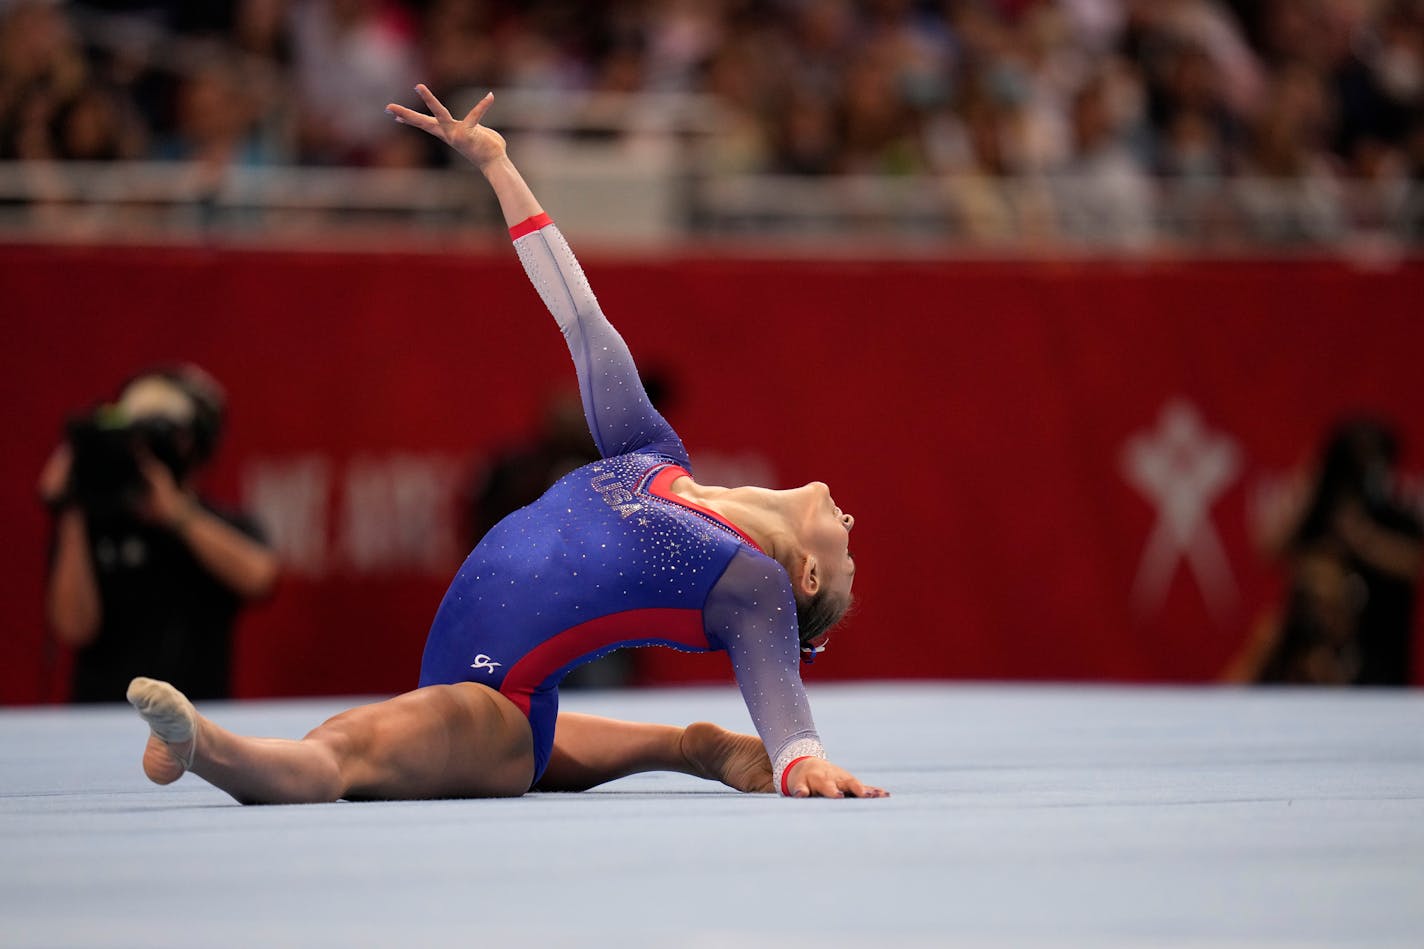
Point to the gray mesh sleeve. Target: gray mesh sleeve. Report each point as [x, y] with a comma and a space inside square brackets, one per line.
[619, 415]
[751, 613]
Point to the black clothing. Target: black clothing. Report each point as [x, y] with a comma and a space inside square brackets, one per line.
[1348, 622]
[163, 614]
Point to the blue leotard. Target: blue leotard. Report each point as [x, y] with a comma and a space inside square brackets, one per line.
[609, 557]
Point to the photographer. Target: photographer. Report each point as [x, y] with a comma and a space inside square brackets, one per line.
[1352, 551]
[143, 574]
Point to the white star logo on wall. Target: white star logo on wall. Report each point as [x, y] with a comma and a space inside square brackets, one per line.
[1182, 468]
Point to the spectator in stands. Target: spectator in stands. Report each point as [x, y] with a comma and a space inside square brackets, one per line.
[1412, 211]
[1197, 130]
[1291, 193]
[1353, 555]
[733, 77]
[143, 572]
[216, 121]
[879, 130]
[42, 72]
[347, 53]
[808, 136]
[682, 36]
[1105, 195]
[459, 44]
[96, 125]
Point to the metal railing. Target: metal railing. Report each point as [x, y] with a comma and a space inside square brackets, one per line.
[612, 192]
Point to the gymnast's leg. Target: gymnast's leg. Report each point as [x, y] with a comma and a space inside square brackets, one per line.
[589, 751]
[461, 740]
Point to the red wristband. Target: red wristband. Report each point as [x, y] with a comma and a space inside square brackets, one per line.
[787, 771]
[529, 225]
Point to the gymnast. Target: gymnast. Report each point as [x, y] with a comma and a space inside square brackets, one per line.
[626, 551]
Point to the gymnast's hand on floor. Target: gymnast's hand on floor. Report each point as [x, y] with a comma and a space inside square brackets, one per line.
[467, 136]
[817, 777]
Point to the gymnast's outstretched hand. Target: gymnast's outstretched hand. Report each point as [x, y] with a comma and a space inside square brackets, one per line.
[467, 136]
[817, 777]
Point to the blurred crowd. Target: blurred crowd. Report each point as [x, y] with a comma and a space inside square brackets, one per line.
[1115, 93]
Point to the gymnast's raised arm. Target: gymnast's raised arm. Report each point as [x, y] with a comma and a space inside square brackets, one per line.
[620, 417]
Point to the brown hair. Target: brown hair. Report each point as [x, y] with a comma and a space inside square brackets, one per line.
[817, 614]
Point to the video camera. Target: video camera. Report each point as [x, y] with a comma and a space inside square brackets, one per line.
[107, 444]
[173, 413]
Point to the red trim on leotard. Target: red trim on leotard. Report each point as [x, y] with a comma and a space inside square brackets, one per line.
[682, 627]
[661, 486]
[529, 225]
[787, 773]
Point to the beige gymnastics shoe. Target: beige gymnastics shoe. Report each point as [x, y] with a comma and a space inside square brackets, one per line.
[174, 725]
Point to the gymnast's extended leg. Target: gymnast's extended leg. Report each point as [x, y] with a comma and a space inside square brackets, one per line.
[461, 740]
[589, 750]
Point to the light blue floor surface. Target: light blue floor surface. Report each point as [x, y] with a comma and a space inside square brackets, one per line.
[1021, 816]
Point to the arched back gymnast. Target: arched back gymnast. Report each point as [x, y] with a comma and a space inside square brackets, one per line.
[627, 551]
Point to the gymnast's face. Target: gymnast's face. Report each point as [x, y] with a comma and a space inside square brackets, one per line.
[825, 534]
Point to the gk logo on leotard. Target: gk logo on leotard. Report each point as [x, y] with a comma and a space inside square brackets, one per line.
[486, 663]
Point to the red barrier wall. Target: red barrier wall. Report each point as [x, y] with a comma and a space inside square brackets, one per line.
[989, 424]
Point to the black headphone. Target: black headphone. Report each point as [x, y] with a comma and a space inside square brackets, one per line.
[206, 395]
